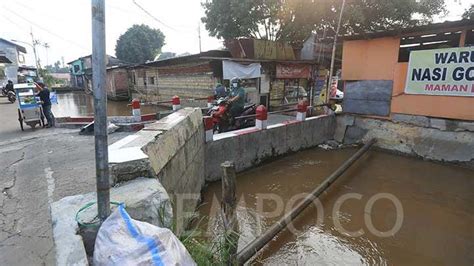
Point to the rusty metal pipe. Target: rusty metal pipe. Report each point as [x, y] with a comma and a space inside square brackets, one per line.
[254, 246]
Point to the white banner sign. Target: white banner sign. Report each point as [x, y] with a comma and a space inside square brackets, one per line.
[447, 72]
[232, 70]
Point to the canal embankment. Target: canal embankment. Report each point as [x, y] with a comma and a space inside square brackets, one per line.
[443, 140]
[176, 154]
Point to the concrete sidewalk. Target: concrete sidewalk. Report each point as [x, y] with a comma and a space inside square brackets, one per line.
[36, 169]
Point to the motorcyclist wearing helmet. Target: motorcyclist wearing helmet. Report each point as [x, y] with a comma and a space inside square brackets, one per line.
[9, 86]
[220, 91]
[237, 97]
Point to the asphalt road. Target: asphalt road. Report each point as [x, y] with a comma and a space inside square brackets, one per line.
[38, 167]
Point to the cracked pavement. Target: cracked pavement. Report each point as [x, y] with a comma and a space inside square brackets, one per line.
[36, 168]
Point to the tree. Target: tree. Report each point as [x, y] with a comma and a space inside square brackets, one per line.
[294, 20]
[57, 68]
[139, 44]
[48, 79]
[469, 13]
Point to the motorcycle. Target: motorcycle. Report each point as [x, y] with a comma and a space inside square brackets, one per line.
[10, 94]
[223, 120]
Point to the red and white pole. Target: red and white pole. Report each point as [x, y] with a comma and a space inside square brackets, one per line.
[136, 113]
[261, 119]
[302, 108]
[176, 102]
[210, 101]
[209, 128]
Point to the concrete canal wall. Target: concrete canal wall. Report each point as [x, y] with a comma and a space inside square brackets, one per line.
[431, 138]
[249, 147]
[166, 164]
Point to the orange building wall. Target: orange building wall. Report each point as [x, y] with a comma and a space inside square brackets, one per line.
[370, 59]
[453, 107]
[377, 59]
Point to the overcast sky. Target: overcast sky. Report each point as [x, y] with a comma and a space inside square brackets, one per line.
[66, 24]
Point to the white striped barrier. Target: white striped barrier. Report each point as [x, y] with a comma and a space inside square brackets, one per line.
[302, 108]
[209, 128]
[136, 112]
[210, 101]
[176, 102]
[261, 118]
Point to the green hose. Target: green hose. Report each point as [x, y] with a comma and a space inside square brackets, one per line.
[95, 221]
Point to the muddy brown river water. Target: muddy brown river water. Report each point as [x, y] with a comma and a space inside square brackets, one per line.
[82, 104]
[385, 210]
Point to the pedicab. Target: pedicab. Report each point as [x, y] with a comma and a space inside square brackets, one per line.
[29, 110]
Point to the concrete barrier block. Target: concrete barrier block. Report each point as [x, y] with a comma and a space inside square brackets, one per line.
[129, 170]
[294, 137]
[145, 199]
[307, 134]
[217, 152]
[438, 123]
[417, 120]
[246, 151]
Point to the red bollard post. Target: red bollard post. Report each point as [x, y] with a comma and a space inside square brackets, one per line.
[210, 101]
[261, 119]
[176, 102]
[209, 128]
[302, 108]
[136, 113]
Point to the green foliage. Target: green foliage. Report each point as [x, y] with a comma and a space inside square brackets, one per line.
[57, 68]
[139, 44]
[47, 78]
[294, 20]
[469, 13]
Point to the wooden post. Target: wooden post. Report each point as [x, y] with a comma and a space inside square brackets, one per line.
[229, 217]
[462, 39]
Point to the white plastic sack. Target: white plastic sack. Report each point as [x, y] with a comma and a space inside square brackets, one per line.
[124, 241]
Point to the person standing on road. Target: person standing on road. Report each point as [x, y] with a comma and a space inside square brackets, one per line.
[43, 94]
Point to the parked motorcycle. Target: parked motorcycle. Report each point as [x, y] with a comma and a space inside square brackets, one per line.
[223, 120]
[10, 94]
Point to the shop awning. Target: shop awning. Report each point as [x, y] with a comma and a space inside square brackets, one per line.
[233, 69]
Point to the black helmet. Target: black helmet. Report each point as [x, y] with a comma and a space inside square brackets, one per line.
[9, 81]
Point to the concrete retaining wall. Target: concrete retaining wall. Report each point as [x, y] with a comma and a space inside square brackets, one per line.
[431, 138]
[169, 153]
[172, 150]
[250, 147]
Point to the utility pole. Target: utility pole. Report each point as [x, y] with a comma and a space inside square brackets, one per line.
[331, 70]
[46, 47]
[199, 36]
[34, 43]
[100, 108]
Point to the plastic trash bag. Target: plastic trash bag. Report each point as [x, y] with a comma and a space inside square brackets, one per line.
[122, 240]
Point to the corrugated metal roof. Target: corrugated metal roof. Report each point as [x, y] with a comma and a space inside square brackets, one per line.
[18, 47]
[188, 58]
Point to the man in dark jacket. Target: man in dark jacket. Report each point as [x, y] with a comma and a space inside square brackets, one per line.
[9, 86]
[43, 94]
